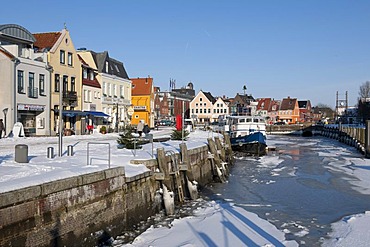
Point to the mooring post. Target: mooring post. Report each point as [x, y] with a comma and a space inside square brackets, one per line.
[367, 139]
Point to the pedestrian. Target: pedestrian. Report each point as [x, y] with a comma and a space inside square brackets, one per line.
[146, 129]
[140, 127]
[1, 128]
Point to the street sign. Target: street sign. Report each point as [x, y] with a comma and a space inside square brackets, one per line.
[130, 111]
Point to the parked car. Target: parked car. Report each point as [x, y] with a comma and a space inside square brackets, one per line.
[165, 122]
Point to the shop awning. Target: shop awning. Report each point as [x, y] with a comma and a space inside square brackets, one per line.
[97, 113]
[70, 113]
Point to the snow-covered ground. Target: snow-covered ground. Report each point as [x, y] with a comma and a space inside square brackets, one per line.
[214, 225]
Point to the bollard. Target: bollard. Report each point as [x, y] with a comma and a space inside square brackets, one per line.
[50, 153]
[70, 150]
[21, 153]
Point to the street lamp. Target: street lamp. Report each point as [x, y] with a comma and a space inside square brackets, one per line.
[5, 111]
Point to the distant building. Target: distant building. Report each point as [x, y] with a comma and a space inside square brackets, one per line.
[201, 107]
[305, 111]
[241, 105]
[170, 104]
[143, 101]
[289, 111]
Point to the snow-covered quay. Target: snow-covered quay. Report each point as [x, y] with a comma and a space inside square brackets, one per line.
[214, 225]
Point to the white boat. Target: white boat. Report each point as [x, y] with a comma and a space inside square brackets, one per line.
[247, 134]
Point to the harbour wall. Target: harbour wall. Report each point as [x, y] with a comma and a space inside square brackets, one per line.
[87, 210]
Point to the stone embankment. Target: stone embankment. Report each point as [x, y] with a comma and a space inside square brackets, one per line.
[84, 210]
[352, 136]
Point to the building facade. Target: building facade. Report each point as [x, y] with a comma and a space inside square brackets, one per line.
[142, 98]
[65, 79]
[25, 80]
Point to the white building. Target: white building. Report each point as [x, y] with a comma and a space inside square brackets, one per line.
[115, 84]
[201, 107]
[24, 82]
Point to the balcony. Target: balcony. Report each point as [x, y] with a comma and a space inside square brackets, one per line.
[33, 92]
[70, 98]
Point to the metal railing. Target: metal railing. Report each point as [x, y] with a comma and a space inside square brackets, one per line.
[97, 143]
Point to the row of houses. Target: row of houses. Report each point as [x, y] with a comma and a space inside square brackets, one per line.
[43, 74]
[206, 108]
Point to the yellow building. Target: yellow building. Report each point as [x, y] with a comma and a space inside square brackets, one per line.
[62, 57]
[142, 99]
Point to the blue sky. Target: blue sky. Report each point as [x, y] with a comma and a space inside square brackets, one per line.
[303, 49]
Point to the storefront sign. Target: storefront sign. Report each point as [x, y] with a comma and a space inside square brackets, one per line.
[139, 107]
[24, 107]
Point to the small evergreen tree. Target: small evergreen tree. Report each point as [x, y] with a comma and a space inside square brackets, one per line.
[177, 135]
[127, 140]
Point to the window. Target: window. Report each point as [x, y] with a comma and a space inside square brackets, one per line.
[209, 110]
[91, 75]
[89, 95]
[196, 104]
[62, 57]
[121, 91]
[109, 90]
[192, 111]
[114, 89]
[42, 84]
[85, 96]
[104, 88]
[32, 91]
[70, 59]
[214, 110]
[116, 67]
[56, 83]
[73, 84]
[20, 81]
[200, 111]
[85, 73]
[200, 99]
[65, 83]
[106, 66]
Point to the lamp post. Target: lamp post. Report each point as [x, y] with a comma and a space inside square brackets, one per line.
[116, 118]
[61, 125]
[5, 111]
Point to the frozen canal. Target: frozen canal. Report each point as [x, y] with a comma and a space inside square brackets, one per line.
[301, 188]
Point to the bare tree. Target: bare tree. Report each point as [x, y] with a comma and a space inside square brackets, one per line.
[365, 90]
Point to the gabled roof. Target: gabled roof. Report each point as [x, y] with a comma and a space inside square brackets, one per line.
[209, 97]
[303, 104]
[274, 103]
[87, 81]
[46, 40]
[6, 53]
[263, 104]
[115, 67]
[141, 86]
[288, 104]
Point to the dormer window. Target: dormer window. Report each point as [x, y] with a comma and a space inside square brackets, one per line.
[106, 66]
[85, 73]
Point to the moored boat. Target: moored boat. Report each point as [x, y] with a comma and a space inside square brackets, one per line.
[248, 134]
